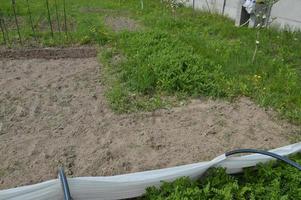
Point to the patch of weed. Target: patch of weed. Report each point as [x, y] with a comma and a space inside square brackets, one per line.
[202, 54]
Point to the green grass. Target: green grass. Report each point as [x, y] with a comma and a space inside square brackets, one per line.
[82, 27]
[199, 54]
[178, 55]
[272, 181]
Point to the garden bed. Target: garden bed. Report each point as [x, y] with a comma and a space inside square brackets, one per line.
[48, 53]
[53, 112]
[171, 87]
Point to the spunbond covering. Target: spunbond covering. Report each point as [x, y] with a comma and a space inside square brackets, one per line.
[134, 184]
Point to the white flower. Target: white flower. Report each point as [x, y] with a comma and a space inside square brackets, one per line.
[257, 42]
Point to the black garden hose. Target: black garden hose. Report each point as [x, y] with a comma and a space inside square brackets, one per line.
[65, 186]
[278, 157]
[67, 195]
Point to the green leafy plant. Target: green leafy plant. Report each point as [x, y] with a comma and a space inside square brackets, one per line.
[276, 181]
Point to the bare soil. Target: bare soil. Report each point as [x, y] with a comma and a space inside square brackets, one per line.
[103, 11]
[48, 53]
[118, 23]
[53, 113]
[43, 25]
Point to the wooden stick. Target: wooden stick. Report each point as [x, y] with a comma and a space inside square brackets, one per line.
[65, 19]
[57, 16]
[31, 21]
[2, 29]
[16, 21]
[49, 18]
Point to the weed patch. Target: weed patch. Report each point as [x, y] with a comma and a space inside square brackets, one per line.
[201, 54]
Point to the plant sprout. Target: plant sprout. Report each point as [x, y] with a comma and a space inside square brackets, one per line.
[263, 19]
[142, 4]
[174, 4]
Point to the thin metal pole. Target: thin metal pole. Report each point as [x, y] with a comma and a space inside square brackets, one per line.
[16, 20]
[193, 4]
[49, 18]
[31, 21]
[224, 7]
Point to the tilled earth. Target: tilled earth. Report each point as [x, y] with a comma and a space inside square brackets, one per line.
[53, 113]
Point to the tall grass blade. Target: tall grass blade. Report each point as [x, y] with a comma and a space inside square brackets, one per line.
[142, 4]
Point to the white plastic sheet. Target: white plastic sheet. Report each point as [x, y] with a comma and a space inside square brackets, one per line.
[134, 184]
[250, 6]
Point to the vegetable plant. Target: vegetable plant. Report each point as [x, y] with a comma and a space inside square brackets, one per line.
[271, 181]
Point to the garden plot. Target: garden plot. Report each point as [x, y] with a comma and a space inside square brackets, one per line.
[122, 23]
[54, 113]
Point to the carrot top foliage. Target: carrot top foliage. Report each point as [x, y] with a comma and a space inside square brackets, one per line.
[268, 182]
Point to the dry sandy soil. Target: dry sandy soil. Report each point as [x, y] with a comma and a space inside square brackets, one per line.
[118, 23]
[53, 113]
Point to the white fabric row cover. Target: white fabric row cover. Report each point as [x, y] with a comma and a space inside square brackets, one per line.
[134, 184]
